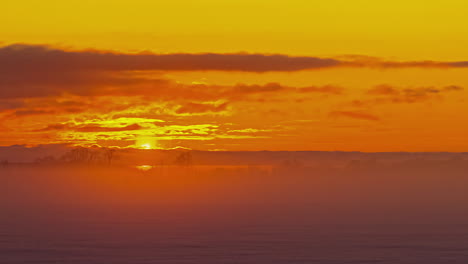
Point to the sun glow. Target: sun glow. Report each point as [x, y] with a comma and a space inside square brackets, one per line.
[146, 143]
[146, 146]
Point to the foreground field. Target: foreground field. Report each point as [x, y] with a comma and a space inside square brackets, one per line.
[231, 215]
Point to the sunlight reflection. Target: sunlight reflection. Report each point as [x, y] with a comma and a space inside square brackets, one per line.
[144, 167]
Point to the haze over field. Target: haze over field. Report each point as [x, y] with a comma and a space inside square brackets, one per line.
[407, 211]
[183, 206]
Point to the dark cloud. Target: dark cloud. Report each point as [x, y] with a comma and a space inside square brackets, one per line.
[103, 84]
[42, 58]
[42, 84]
[461, 64]
[41, 71]
[32, 112]
[374, 62]
[22, 58]
[8, 104]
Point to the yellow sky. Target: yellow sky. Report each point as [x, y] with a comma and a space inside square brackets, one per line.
[404, 29]
[420, 113]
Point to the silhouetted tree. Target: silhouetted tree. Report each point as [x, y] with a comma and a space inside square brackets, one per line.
[46, 160]
[184, 159]
[92, 154]
[76, 155]
[109, 154]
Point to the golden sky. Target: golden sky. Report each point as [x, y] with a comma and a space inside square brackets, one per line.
[235, 75]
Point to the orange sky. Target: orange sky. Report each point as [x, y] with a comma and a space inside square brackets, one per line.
[236, 75]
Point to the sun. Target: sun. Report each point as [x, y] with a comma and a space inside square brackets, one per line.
[146, 143]
[146, 146]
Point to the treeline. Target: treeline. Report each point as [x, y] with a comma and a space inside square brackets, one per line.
[108, 156]
[81, 155]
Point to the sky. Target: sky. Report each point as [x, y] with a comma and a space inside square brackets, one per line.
[360, 75]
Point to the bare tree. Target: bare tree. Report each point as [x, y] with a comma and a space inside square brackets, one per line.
[46, 160]
[109, 154]
[184, 159]
[76, 155]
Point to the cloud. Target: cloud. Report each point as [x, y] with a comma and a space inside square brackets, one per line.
[357, 61]
[53, 127]
[21, 57]
[39, 71]
[23, 84]
[97, 128]
[48, 95]
[39, 58]
[195, 108]
[460, 64]
[452, 88]
[355, 115]
[32, 112]
[157, 97]
[388, 93]
[8, 104]
[89, 128]
[255, 88]
[383, 90]
[329, 89]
